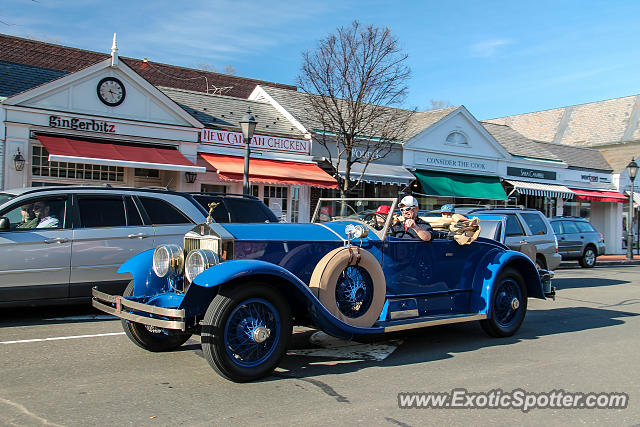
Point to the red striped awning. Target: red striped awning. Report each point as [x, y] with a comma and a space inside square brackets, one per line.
[600, 195]
[270, 171]
[116, 154]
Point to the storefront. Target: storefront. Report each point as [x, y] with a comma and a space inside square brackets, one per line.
[281, 168]
[101, 125]
[456, 161]
[536, 188]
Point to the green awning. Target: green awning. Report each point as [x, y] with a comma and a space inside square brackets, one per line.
[456, 185]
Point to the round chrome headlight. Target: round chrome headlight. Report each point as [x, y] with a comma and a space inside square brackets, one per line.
[168, 260]
[198, 261]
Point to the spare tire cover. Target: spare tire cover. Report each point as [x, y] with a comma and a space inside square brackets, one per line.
[350, 283]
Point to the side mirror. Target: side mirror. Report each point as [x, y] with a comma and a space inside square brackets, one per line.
[4, 224]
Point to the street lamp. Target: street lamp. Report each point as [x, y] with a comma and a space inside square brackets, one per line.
[18, 161]
[632, 170]
[248, 125]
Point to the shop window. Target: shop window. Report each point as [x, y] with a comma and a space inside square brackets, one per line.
[211, 188]
[295, 204]
[42, 167]
[457, 138]
[277, 199]
[146, 173]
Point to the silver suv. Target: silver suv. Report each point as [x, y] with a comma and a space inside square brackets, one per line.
[527, 227]
[57, 242]
[577, 239]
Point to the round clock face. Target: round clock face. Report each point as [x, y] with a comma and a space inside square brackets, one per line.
[111, 91]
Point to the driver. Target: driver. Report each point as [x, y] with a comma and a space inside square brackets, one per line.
[410, 225]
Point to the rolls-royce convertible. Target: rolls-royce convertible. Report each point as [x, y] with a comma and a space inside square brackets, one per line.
[242, 287]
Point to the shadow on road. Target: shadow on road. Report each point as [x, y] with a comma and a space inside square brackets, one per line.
[26, 316]
[443, 342]
[588, 282]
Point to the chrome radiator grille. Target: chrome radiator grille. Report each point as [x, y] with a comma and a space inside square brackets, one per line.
[205, 243]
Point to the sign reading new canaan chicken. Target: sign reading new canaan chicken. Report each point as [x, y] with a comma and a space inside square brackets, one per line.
[262, 142]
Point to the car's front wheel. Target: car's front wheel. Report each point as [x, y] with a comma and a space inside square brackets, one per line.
[588, 259]
[246, 331]
[508, 305]
[149, 337]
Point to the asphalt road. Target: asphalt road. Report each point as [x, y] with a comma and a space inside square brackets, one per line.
[57, 369]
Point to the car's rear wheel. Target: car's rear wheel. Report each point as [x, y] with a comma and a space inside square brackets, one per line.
[149, 337]
[508, 305]
[588, 259]
[246, 331]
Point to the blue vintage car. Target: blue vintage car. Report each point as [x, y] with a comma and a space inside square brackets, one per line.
[242, 287]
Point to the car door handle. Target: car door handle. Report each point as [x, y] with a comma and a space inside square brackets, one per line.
[56, 240]
[138, 235]
[562, 238]
[523, 242]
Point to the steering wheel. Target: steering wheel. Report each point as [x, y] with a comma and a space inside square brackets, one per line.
[372, 219]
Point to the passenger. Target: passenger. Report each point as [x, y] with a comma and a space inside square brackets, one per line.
[45, 218]
[447, 211]
[410, 225]
[29, 218]
[379, 217]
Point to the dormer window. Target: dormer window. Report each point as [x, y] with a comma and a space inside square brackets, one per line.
[457, 138]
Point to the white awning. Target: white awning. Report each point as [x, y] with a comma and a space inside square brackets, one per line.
[540, 189]
[636, 198]
[380, 173]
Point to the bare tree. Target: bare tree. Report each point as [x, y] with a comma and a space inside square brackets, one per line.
[230, 69]
[353, 78]
[438, 104]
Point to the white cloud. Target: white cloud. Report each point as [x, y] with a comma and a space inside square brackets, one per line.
[488, 48]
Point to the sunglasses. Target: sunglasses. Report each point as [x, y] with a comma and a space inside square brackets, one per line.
[406, 209]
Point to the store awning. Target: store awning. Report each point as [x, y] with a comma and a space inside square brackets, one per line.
[540, 189]
[457, 185]
[270, 171]
[380, 173]
[116, 154]
[636, 198]
[600, 195]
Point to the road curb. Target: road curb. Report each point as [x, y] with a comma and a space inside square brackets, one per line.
[570, 265]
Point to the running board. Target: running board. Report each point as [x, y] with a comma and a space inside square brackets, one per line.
[423, 322]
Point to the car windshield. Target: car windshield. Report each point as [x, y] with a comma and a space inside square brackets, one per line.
[367, 210]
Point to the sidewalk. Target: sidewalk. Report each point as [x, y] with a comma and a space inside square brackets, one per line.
[603, 260]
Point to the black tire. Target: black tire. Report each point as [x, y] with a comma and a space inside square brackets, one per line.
[588, 259]
[504, 320]
[541, 263]
[232, 343]
[145, 336]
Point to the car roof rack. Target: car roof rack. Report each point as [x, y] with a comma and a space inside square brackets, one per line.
[214, 193]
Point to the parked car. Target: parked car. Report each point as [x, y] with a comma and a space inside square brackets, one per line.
[242, 287]
[578, 240]
[236, 208]
[91, 231]
[527, 227]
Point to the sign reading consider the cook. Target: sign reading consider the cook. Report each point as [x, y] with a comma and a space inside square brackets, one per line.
[263, 142]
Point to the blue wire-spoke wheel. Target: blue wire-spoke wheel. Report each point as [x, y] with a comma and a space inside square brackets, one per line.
[246, 330]
[508, 304]
[252, 332]
[354, 291]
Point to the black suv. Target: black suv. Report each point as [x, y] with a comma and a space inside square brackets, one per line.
[578, 240]
[235, 207]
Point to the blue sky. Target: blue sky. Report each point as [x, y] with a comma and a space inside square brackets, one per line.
[495, 57]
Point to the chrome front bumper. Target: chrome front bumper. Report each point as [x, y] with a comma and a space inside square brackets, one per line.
[119, 306]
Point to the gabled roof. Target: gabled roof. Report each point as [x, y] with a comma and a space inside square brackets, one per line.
[224, 112]
[68, 59]
[16, 78]
[519, 145]
[596, 123]
[297, 104]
